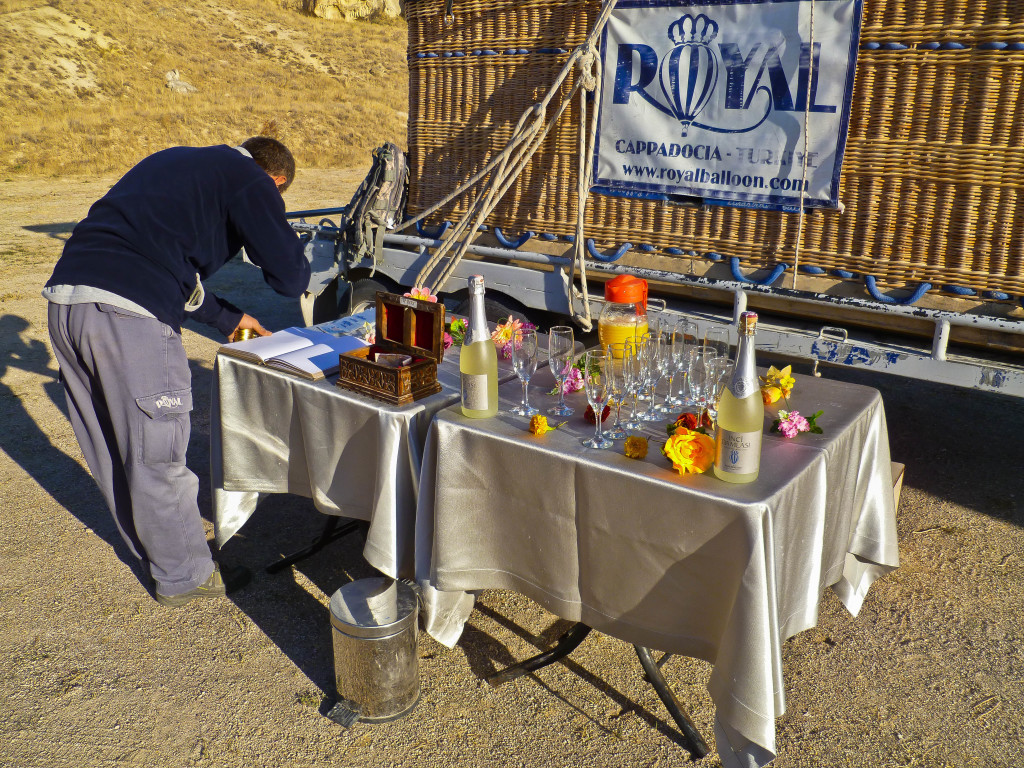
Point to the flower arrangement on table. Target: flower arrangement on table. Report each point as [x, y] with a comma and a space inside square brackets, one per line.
[573, 381]
[456, 333]
[505, 331]
[778, 385]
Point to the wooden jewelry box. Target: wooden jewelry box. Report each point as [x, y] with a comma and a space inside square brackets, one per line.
[403, 326]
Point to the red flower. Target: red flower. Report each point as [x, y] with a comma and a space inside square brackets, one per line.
[689, 420]
[589, 414]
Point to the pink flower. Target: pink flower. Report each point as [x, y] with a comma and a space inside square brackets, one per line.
[787, 429]
[447, 340]
[573, 381]
[799, 421]
[423, 294]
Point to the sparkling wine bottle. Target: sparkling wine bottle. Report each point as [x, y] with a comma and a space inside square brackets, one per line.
[478, 360]
[740, 414]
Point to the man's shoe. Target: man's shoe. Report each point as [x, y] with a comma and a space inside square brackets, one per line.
[220, 583]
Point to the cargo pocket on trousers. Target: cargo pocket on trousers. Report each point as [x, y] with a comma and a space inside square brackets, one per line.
[165, 428]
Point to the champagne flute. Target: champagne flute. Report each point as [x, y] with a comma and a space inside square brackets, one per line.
[595, 383]
[721, 371]
[560, 348]
[617, 365]
[676, 346]
[663, 363]
[718, 339]
[652, 371]
[700, 377]
[631, 380]
[687, 338]
[524, 363]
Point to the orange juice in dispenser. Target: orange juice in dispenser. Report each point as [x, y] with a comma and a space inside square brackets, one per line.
[624, 315]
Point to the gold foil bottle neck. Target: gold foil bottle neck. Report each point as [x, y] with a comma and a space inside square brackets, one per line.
[748, 323]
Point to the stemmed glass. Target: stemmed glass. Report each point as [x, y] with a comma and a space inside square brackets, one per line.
[700, 374]
[665, 364]
[652, 370]
[524, 363]
[617, 365]
[686, 331]
[721, 371]
[560, 349]
[676, 348]
[595, 383]
[632, 380]
[718, 340]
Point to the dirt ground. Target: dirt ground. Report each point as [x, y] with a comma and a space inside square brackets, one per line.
[95, 673]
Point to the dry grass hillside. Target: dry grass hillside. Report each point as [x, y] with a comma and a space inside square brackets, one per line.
[83, 86]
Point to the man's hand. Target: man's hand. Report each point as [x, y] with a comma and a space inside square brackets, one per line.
[250, 322]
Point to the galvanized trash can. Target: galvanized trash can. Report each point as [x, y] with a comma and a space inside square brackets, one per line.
[376, 666]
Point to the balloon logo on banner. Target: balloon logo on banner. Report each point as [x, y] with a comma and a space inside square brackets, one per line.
[689, 72]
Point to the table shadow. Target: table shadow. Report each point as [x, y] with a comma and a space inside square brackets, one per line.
[483, 652]
[284, 605]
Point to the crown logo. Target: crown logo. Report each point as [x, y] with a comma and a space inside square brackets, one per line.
[688, 29]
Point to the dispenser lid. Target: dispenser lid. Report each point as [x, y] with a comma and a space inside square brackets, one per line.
[373, 607]
[626, 289]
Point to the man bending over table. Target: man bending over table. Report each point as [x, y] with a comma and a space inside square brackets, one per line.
[130, 273]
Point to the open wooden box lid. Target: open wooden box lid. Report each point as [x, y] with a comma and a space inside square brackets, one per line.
[410, 326]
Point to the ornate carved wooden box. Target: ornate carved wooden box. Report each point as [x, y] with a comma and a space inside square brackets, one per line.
[404, 326]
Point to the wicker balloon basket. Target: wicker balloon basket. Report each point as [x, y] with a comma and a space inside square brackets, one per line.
[932, 182]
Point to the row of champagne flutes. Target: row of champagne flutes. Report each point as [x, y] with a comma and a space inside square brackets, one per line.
[631, 369]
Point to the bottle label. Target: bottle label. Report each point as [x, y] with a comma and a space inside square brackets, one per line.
[738, 452]
[742, 386]
[474, 391]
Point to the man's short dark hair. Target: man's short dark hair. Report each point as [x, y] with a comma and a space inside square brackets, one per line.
[272, 156]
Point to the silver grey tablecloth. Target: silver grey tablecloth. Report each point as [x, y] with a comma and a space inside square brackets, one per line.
[691, 564]
[272, 432]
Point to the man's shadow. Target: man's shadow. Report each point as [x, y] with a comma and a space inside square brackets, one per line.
[28, 446]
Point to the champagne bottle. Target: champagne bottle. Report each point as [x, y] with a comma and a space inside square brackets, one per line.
[740, 414]
[478, 360]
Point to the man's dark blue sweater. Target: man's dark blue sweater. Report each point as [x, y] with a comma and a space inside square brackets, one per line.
[181, 212]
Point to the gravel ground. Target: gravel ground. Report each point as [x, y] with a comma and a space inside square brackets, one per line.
[95, 673]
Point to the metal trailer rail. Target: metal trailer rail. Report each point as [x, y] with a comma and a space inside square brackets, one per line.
[542, 286]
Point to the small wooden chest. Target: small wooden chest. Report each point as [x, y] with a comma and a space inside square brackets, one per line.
[403, 326]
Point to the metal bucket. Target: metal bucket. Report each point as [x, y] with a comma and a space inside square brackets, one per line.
[376, 665]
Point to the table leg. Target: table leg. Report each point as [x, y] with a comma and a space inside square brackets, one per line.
[566, 644]
[695, 744]
[330, 533]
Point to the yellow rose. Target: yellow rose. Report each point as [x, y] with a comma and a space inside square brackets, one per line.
[770, 394]
[689, 451]
[636, 447]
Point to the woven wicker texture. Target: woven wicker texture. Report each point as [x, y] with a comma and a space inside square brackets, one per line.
[932, 181]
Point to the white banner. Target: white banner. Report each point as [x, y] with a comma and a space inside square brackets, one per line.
[712, 100]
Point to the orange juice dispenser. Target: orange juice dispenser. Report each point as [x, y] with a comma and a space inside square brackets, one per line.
[624, 315]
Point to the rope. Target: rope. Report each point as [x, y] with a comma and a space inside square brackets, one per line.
[803, 163]
[503, 169]
[590, 77]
